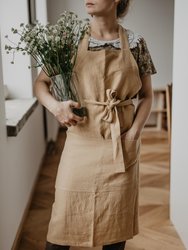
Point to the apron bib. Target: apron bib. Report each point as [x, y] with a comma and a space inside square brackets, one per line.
[96, 198]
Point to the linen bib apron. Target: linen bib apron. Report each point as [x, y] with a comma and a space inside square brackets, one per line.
[96, 197]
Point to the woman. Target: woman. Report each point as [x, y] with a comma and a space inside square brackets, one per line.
[96, 198]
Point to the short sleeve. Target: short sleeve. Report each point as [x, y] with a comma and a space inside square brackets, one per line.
[143, 58]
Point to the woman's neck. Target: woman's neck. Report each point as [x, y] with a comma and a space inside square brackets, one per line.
[104, 29]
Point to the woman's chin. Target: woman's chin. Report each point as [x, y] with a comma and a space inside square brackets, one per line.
[91, 13]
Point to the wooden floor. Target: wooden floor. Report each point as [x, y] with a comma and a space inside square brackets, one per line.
[156, 230]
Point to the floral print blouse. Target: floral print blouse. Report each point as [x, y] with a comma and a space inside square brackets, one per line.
[138, 47]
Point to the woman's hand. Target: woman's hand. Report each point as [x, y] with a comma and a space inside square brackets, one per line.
[63, 113]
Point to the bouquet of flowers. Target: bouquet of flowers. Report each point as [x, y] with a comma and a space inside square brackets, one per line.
[54, 49]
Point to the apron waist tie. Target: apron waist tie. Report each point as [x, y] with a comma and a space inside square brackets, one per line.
[111, 116]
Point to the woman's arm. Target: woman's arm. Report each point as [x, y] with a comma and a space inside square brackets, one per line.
[143, 110]
[61, 110]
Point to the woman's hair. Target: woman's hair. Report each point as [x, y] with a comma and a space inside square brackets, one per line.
[122, 8]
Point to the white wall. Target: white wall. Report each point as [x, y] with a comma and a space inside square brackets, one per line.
[21, 156]
[41, 11]
[2, 150]
[14, 75]
[150, 18]
[179, 163]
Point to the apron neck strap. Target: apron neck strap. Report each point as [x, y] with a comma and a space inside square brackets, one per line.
[122, 36]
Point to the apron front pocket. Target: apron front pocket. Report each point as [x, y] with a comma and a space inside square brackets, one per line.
[131, 151]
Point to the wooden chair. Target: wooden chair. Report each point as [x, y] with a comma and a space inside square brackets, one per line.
[158, 109]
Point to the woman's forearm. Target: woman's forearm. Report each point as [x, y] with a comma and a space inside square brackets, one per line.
[41, 90]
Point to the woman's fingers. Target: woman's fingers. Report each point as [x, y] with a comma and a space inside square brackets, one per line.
[67, 124]
[65, 115]
[69, 121]
[73, 104]
[77, 118]
[73, 122]
[74, 116]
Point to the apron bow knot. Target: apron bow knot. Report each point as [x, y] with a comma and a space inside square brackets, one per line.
[110, 106]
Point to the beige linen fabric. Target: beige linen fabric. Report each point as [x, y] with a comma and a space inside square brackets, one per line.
[96, 198]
